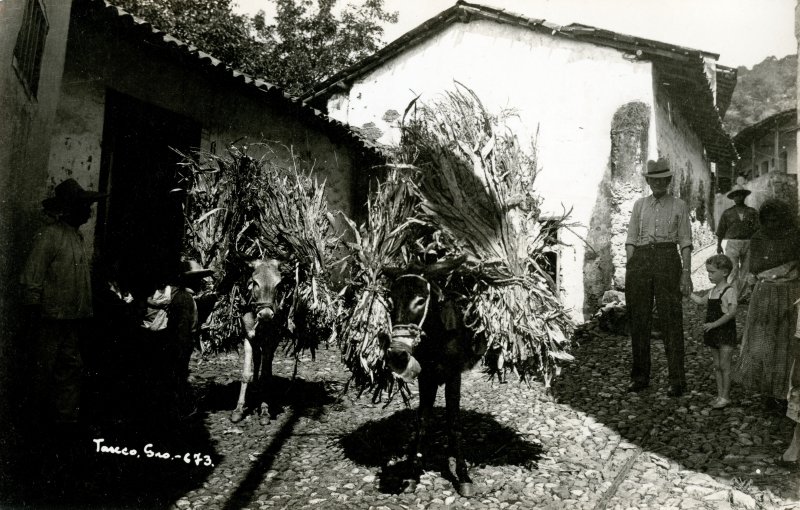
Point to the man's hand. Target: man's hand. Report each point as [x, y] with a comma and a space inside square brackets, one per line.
[708, 326]
[686, 283]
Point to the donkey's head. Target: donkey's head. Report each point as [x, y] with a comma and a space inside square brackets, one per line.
[263, 286]
[412, 304]
[410, 296]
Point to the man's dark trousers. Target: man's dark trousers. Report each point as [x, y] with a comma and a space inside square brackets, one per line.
[654, 272]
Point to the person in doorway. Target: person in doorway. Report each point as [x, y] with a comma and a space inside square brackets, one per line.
[719, 330]
[736, 226]
[56, 293]
[659, 251]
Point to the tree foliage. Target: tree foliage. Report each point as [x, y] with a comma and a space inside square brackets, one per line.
[769, 88]
[306, 42]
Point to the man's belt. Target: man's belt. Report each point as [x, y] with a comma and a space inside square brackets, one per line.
[656, 246]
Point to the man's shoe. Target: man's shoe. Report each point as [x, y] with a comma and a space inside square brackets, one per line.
[637, 386]
[675, 391]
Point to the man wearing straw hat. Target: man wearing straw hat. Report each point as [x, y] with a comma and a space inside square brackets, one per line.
[56, 292]
[736, 226]
[659, 251]
[182, 328]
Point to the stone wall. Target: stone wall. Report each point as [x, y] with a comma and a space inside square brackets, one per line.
[604, 265]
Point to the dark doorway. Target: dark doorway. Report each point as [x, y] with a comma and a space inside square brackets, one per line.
[141, 227]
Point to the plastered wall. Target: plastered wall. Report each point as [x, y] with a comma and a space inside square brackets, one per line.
[566, 91]
[25, 131]
[227, 112]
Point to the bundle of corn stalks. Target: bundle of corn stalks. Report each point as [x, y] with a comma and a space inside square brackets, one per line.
[265, 207]
[378, 244]
[476, 187]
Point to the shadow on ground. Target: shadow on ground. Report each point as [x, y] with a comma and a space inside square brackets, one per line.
[384, 443]
[133, 447]
[732, 443]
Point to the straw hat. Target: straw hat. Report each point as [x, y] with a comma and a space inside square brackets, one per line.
[193, 268]
[658, 169]
[738, 189]
[69, 193]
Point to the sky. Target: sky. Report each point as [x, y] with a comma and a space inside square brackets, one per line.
[742, 32]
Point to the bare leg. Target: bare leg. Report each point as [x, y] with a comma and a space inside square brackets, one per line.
[725, 370]
[715, 353]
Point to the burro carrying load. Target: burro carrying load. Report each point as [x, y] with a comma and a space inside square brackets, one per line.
[260, 219]
[461, 188]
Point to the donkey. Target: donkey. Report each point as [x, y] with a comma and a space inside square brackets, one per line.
[430, 341]
[261, 333]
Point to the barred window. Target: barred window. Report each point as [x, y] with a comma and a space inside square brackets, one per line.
[30, 46]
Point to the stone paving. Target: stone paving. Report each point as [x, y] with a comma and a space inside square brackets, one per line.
[587, 444]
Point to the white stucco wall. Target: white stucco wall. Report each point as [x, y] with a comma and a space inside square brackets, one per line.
[226, 113]
[567, 90]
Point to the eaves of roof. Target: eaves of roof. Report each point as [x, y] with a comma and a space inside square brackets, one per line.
[104, 12]
[684, 66]
[755, 131]
[726, 82]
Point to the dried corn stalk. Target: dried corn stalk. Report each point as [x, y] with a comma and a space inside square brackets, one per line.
[268, 207]
[378, 244]
[476, 187]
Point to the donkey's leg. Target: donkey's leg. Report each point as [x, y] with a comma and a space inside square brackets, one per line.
[266, 353]
[452, 398]
[247, 377]
[427, 397]
[270, 345]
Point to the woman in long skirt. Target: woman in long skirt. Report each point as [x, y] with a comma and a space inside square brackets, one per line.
[765, 362]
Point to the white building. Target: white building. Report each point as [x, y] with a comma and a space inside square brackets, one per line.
[602, 103]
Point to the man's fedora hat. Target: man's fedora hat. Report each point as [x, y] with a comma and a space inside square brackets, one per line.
[193, 268]
[738, 189]
[69, 193]
[658, 169]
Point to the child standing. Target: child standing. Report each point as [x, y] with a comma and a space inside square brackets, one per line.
[719, 330]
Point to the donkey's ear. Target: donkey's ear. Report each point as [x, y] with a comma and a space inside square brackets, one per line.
[444, 267]
[241, 259]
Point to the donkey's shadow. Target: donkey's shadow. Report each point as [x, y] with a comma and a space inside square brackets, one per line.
[384, 444]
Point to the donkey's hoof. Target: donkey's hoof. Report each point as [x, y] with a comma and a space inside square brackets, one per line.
[465, 489]
[237, 416]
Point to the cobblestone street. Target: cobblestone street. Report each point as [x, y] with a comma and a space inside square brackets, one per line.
[589, 444]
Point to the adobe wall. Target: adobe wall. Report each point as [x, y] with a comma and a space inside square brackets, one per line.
[226, 111]
[566, 94]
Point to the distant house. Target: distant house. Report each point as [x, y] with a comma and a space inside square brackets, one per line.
[768, 164]
[91, 92]
[602, 103]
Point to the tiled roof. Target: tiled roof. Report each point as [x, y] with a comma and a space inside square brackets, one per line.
[683, 70]
[106, 12]
[764, 126]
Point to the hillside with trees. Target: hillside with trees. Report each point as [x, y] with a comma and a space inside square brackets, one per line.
[766, 89]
